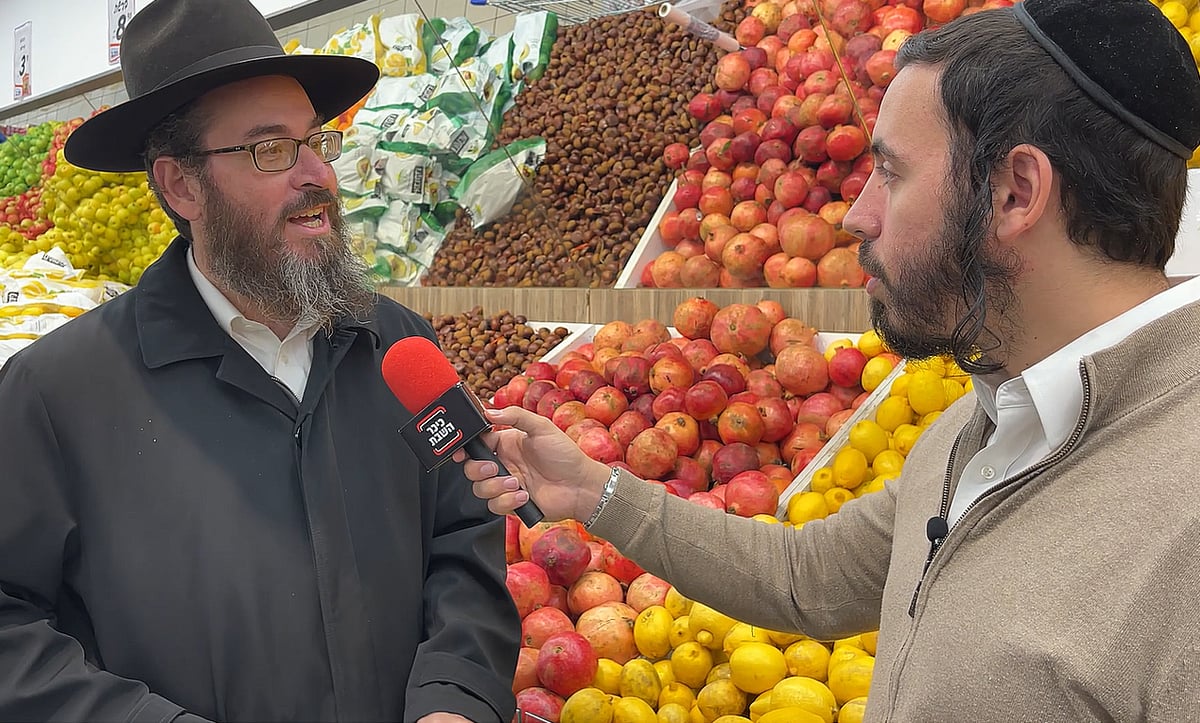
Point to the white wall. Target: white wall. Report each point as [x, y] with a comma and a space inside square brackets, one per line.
[312, 33]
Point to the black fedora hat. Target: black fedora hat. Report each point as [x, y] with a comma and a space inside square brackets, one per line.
[175, 51]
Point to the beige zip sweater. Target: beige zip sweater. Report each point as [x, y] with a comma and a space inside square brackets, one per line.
[1068, 593]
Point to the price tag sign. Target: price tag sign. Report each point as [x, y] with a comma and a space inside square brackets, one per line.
[119, 13]
[22, 60]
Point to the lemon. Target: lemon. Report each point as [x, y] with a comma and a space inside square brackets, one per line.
[970, 384]
[720, 697]
[676, 603]
[760, 706]
[837, 497]
[955, 372]
[807, 506]
[757, 667]
[822, 480]
[929, 419]
[893, 412]
[681, 631]
[806, 693]
[875, 371]
[709, 627]
[926, 392]
[1194, 21]
[666, 675]
[906, 436]
[765, 518]
[844, 654]
[791, 714]
[854, 641]
[695, 716]
[899, 386]
[853, 711]
[870, 344]
[807, 659]
[835, 346]
[870, 641]
[678, 694]
[733, 719]
[852, 678]
[1175, 12]
[691, 662]
[1194, 45]
[849, 467]
[608, 676]
[720, 671]
[633, 710]
[869, 438]
[953, 391]
[589, 705]
[935, 364]
[875, 485]
[639, 680]
[652, 632]
[673, 713]
[742, 633]
[783, 639]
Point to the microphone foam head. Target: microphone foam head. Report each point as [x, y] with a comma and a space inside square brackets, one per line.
[417, 372]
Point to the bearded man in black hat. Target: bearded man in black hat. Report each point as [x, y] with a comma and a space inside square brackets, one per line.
[1037, 561]
[207, 513]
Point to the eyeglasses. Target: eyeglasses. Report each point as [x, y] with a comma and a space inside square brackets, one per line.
[279, 154]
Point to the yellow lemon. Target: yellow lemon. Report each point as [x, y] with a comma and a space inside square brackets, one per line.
[844, 654]
[854, 641]
[676, 603]
[899, 387]
[608, 676]
[869, 438]
[652, 632]
[837, 497]
[733, 719]
[849, 468]
[893, 412]
[673, 713]
[807, 659]
[806, 693]
[807, 506]
[691, 663]
[742, 633]
[720, 697]
[870, 344]
[953, 390]
[1175, 12]
[695, 716]
[783, 639]
[822, 480]
[875, 485]
[589, 705]
[709, 627]
[720, 671]
[633, 710]
[906, 436]
[757, 667]
[852, 678]
[766, 519]
[677, 694]
[791, 714]
[875, 371]
[970, 384]
[835, 346]
[926, 393]
[929, 419]
[681, 631]
[666, 675]
[955, 372]
[760, 706]
[853, 711]
[1194, 21]
[870, 641]
[639, 680]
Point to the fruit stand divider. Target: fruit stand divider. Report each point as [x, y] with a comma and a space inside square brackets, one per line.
[649, 246]
[803, 481]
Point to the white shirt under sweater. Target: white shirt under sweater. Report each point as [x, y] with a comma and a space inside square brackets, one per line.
[1035, 413]
[288, 361]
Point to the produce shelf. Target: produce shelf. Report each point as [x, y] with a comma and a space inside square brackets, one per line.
[575, 11]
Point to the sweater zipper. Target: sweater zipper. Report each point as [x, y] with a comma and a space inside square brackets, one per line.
[936, 540]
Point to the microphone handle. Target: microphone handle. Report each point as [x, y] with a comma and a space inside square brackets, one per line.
[477, 449]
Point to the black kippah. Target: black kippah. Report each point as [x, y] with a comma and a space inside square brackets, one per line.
[1127, 57]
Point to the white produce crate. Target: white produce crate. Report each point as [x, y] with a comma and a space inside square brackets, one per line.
[580, 334]
[649, 246]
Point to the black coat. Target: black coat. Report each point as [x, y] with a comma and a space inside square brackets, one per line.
[176, 534]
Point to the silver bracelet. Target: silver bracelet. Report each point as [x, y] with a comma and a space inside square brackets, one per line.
[609, 488]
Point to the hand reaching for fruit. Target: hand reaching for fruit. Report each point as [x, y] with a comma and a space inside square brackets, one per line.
[564, 482]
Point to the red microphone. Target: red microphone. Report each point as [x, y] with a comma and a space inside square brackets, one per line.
[448, 418]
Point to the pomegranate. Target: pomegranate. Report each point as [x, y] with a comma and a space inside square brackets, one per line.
[618, 566]
[740, 422]
[768, 454]
[683, 429]
[845, 395]
[734, 360]
[670, 400]
[606, 404]
[750, 31]
[707, 499]
[776, 417]
[706, 400]
[698, 353]
[805, 436]
[512, 538]
[740, 329]
[943, 11]
[563, 554]
[568, 414]
[652, 454]
[671, 373]
[528, 585]
[818, 408]
[751, 493]
[690, 473]
[704, 107]
[745, 255]
[627, 426]
[540, 702]
[576, 430]
[846, 367]
[540, 370]
[609, 629]
[592, 589]
[733, 72]
[839, 268]
[807, 236]
[728, 376]
[881, 67]
[845, 142]
[526, 674]
[535, 392]
[762, 383]
[693, 318]
[837, 420]
[645, 591]
[791, 331]
[552, 400]
[612, 335]
[558, 599]
[566, 663]
[801, 369]
[732, 459]
[542, 624]
[632, 375]
[708, 449]
[599, 444]
[568, 369]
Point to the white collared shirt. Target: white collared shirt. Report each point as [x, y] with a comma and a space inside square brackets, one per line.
[1036, 412]
[288, 361]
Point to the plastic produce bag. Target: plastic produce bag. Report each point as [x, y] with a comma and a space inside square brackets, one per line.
[358, 41]
[412, 91]
[533, 39]
[401, 45]
[407, 172]
[492, 184]
[450, 42]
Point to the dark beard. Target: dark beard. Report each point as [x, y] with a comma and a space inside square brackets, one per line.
[284, 288]
[953, 299]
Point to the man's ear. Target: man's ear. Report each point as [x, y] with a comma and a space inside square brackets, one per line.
[180, 188]
[1022, 191]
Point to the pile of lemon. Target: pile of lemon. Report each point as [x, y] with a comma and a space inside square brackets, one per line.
[700, 666]
[877, 446]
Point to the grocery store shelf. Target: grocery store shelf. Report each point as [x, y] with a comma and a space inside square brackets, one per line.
[841, 310]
